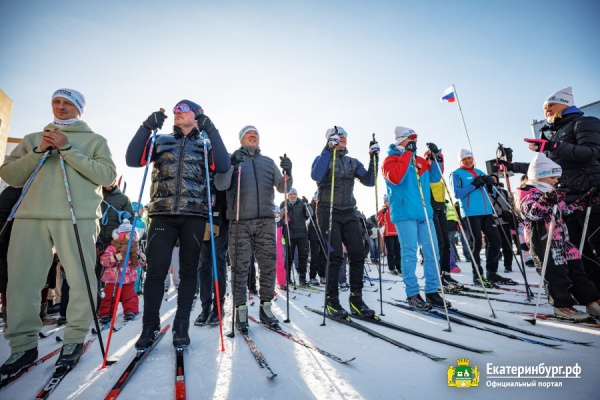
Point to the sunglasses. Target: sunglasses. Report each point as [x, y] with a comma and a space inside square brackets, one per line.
[182, 108]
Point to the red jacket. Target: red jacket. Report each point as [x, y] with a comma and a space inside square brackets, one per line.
[389, 229]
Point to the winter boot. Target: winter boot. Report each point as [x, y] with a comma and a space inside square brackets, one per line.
[499, 280]
[241, 319]
[450, 283]
[303, 281]
[203, 317]
[483, 283]
[213, 318]
[69, 355]
[594, 309]
[334, 308]
[181, 338]
[129, 316]
[147, 338]
[571, 314]
[436, 300]
[17, 361]
[358, 306]
[417, 302]
[266, 315]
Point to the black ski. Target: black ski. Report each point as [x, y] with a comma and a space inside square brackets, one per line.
[348, 322]
[260, 359]
[437, 314]
[59, 374]
[378, 321]
[179, 374]
[127, 374]
[304, 343]
[474, 296]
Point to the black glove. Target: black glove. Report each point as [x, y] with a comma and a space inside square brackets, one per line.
[490, 188]
[304, 200]
[384, 210]
[411, 146]
[374, 148]
[432, 148]
[155, 120]
[286, 164]
[506, 216]
[478, 181]
[238, 157]
[204, 123]
[490, 180]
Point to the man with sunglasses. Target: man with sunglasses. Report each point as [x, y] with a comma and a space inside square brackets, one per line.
[345, 224]
[178, 208]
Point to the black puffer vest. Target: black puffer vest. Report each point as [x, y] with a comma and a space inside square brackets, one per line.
[179, 175]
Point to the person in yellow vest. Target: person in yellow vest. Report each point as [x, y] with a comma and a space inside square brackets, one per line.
[452, 219]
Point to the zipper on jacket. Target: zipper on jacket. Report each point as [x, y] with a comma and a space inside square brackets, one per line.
[256, 182]
[178, 186]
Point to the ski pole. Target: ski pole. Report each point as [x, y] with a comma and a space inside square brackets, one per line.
[521, 268]
[378, 242]
[235, 244]
[82, 258]
[328, 284]
[288, 245]
[585, 228]
[435, 258]
[502, 169]
[26, 189]
[545, 262]
[464, 235]
[131, 235]
[212, 241]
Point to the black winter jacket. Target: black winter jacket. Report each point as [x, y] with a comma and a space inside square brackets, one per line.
[297, 219]
[179, 175]
[346, 170]
[119, 201]
[578, 152]
[257, 181]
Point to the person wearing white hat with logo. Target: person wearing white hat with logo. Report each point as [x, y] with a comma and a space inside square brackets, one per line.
[44, 219]
[567, 283]
[572, 140]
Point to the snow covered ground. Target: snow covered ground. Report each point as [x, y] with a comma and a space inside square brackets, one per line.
[380, 370]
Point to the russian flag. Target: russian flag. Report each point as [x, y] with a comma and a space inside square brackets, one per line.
[448, 95]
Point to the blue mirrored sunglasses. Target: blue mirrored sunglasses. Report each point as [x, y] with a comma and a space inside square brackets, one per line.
[182, 108]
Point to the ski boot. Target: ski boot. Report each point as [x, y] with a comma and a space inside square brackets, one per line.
[500, 280]
[267, 317]
[147, 338]
[18, 361]
[334, 308]
[241, 319]
[358, 306]
[436, 300]
[181, 338]
[203, 317]
[69, 355]
[417, 302]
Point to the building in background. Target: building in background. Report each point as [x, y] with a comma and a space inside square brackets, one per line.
[592, 109]
[7, 144]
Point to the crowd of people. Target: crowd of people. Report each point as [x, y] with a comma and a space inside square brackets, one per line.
[209, 208]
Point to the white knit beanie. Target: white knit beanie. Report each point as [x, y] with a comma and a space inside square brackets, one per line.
[73, 96]
[543, 167]
[464, 153]
[563, 96]
[401, 133]
[247, 129]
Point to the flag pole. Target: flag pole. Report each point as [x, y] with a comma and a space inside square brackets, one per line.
[462, 116]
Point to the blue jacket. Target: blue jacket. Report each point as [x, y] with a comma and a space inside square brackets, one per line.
[473, 201]
[402, 184]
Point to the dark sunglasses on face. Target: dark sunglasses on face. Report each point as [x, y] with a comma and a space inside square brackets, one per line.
[182, 108]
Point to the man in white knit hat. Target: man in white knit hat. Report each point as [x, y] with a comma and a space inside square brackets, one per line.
[44, 219]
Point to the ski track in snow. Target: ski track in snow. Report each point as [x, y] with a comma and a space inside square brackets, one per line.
[380, 370]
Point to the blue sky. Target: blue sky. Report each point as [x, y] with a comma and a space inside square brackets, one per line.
[296, 68]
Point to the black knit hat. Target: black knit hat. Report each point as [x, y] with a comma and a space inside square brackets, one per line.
[196, 107]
